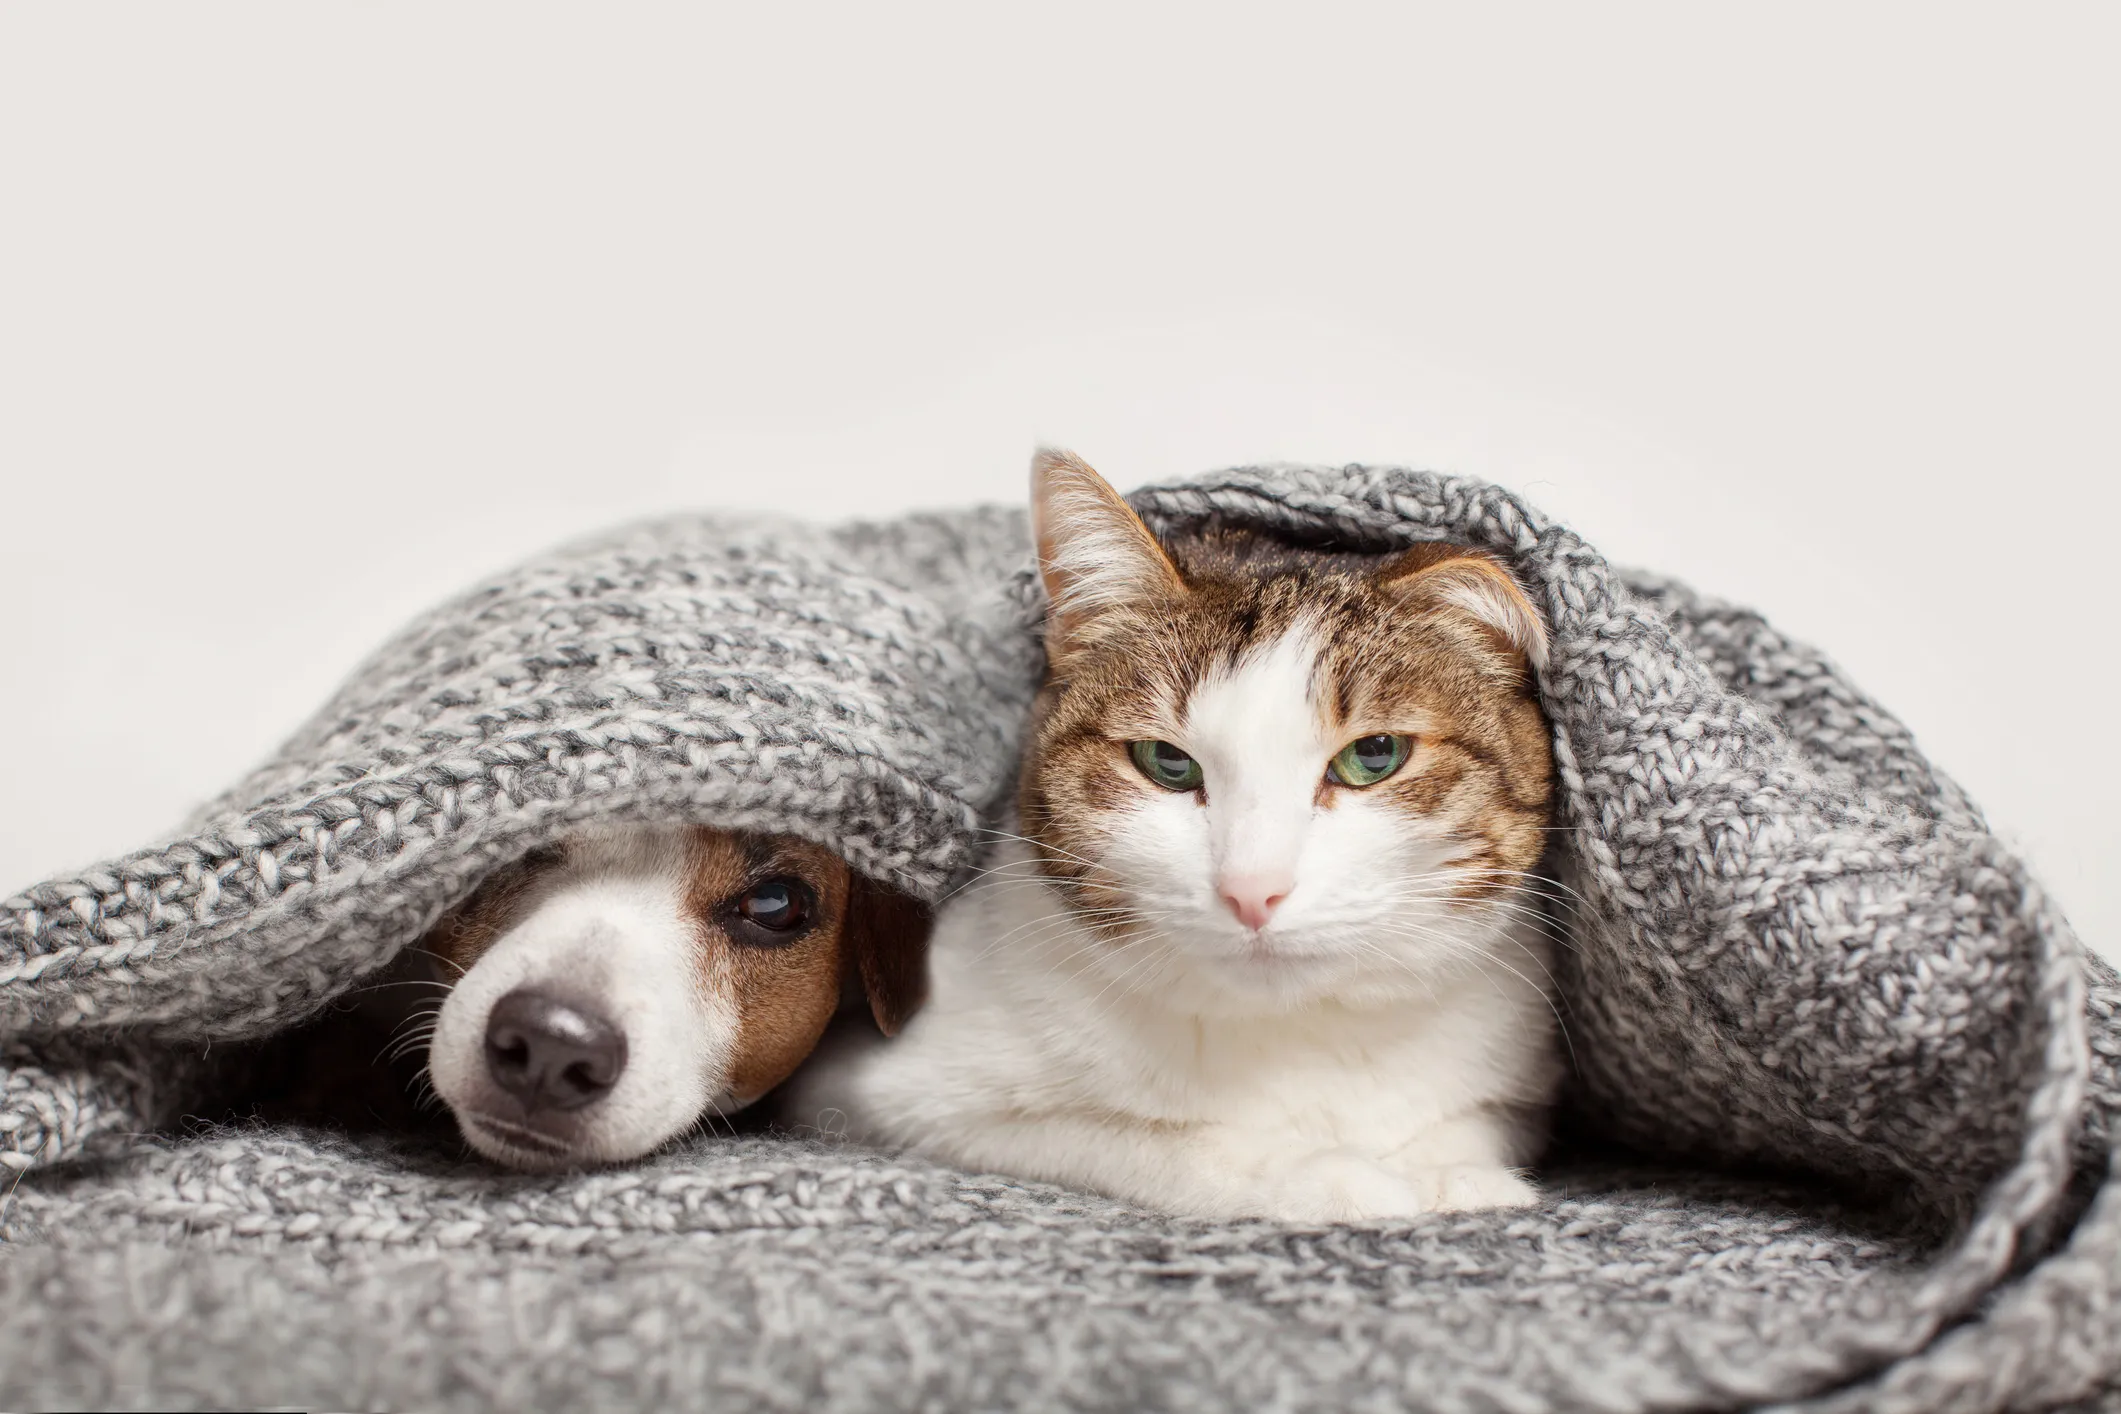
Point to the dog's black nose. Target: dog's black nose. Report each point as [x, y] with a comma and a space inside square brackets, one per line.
[552, 1054]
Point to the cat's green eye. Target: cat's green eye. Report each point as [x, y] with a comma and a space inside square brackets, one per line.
[1368, 759]
[1166, 765]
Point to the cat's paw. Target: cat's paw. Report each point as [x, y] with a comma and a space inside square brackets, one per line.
[1460, 1188]
[1338, 1185]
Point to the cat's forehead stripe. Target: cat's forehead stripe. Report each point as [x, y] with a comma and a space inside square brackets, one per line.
[1264, 698]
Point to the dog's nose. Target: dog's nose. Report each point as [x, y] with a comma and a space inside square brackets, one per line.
[552, 1054]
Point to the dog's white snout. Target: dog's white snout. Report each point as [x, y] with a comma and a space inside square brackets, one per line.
[588, 1026]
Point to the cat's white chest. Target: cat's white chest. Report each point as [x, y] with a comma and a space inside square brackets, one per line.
[1331, 1073]
[1030, 1060]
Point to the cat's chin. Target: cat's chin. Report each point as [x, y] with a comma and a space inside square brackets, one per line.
[1270, 980]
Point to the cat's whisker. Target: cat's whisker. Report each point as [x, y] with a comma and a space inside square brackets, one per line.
[1540, 884]
[1513, 907]
[1425, 976]
[1429, 887]
[1043, 926]
[1101, 945]
[1057, 918]
[1003, 886]
[1143, 929]
[1546, 994]
[999, 874]
[1529, 880]
[1553, 929]
[981, 887]
[1089, 912]
[1469, 949]
[1042, 846]
[1123, 984]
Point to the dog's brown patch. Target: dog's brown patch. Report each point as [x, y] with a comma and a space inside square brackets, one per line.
[783, 994]
[463, 934]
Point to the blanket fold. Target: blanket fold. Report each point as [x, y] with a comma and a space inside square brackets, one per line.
[1863, 1074]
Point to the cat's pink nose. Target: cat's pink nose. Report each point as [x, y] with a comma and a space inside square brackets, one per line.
[1254, 897]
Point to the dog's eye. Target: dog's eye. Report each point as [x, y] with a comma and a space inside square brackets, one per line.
[775, 910]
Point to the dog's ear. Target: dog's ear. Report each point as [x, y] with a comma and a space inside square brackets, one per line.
[886, 935]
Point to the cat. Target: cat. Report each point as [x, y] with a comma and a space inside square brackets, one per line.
[1264, 941]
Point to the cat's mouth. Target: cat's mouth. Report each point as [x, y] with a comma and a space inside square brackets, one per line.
[1264, 956]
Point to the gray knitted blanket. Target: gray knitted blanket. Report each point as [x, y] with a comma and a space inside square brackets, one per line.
[1838, 1135]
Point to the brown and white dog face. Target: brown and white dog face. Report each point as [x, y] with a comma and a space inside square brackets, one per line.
[607, 994]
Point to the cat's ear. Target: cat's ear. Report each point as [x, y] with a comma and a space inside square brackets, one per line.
[1094, 553]
[1475, 585]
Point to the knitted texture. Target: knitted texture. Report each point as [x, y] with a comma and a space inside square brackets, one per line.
[1794, 949]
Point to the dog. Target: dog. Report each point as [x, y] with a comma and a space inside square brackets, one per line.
[596, 999]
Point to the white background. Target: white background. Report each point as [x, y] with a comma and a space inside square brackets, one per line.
[311, 314]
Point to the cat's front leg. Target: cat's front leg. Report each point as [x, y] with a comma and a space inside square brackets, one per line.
[1322, 1185]
[1200, 1171]
[1469, 1162]
[1461, 1166]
